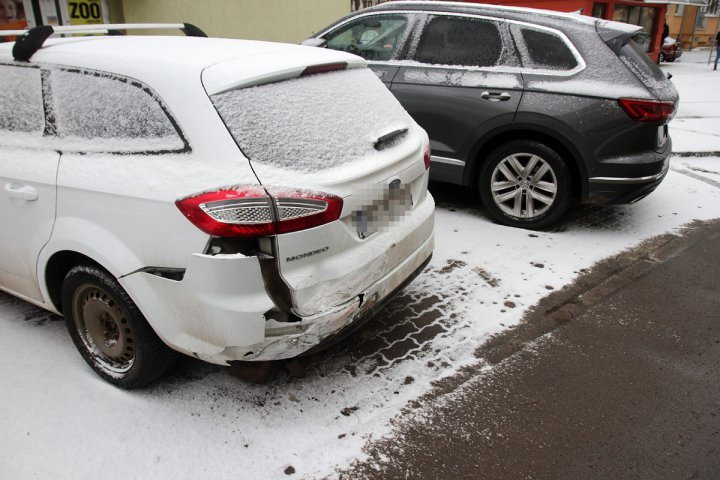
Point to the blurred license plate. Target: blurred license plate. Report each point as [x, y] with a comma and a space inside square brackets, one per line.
[382, 212]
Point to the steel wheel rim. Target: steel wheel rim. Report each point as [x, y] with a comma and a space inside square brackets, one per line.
[103, 329]
[523, 185]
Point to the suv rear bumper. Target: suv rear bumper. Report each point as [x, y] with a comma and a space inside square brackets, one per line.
[628, 188]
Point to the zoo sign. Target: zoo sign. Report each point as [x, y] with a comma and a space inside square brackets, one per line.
[85, 12]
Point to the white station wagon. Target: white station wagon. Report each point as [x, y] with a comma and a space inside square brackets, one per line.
[230, 200]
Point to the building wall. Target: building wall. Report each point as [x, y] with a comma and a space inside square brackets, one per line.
[274, 20]
[683, 28]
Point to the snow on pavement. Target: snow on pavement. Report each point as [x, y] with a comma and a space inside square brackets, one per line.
[696, 126]
[59, 420]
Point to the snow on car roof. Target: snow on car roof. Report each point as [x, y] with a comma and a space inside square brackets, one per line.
[485, 6]
[125, 54]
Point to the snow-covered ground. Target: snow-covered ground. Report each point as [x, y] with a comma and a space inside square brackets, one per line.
[696, 126]
[59, 420]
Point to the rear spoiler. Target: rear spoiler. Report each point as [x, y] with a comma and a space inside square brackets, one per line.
[616, 34]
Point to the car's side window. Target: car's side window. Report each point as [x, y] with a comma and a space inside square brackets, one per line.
[375, 37]
[95, 111]
[543, 50]
[461, 41]
[21, 102]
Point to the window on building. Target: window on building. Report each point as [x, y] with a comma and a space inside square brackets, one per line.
[599, 10]
[641, 16]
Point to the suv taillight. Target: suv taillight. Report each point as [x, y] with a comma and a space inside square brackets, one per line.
[426, 158]
[249, 212]
[647, 110]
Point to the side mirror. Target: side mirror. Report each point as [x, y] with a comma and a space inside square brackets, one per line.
[314, 42]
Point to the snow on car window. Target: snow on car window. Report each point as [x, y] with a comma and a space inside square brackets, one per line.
[312, 123]
[21, 105]
[111, 111]
[647, 71]
[460, 41]
[546, 50]
[456, 77]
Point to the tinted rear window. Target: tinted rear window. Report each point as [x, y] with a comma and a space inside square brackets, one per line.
[460, 41]
[312, 123]
[547, 51]
[647, 71]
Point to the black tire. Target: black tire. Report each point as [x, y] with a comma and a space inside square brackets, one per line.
[661, 57]
[497, 190]
[110, 332]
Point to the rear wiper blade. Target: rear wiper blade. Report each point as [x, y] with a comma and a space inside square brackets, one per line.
[386, 139]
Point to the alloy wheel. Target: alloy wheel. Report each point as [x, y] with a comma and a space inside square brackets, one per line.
[523, 185]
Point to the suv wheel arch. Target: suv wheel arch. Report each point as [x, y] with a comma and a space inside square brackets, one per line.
[58, 265]
[564, 147]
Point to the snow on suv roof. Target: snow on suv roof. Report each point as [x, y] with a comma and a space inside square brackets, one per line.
[128, 54]
[435, 5]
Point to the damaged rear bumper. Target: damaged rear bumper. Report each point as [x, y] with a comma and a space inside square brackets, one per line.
[217, 311]
[315, 333]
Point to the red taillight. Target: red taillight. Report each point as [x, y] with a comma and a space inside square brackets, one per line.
[647, 110]
[328, 67]
[249, 212]
[427, 157]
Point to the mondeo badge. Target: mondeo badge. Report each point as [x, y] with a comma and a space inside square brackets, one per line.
[307, 254]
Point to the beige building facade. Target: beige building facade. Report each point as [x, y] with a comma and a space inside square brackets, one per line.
[693, 25]
[289, 21]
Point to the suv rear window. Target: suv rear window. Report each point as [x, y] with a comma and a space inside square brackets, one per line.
[312, 123]
[460, 41]
[546, 51]
[647, 71]
[21, 103]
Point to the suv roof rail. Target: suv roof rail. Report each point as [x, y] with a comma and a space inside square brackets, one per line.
[434, 4]
[32, 40]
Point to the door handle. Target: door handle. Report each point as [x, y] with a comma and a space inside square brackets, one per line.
[22, 192]
[495, 96]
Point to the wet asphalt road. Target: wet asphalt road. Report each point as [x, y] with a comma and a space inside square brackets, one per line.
[620, 379]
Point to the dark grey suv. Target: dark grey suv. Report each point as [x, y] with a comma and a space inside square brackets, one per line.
[535, 109]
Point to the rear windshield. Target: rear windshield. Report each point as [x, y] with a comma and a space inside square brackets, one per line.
[647, 71]
[312, 123]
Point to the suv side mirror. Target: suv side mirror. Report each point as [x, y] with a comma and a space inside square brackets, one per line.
[314, 42]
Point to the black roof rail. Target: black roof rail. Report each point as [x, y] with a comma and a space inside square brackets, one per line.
[30, 41]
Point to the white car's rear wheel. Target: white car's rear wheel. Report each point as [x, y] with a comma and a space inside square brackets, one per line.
[110, 332]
